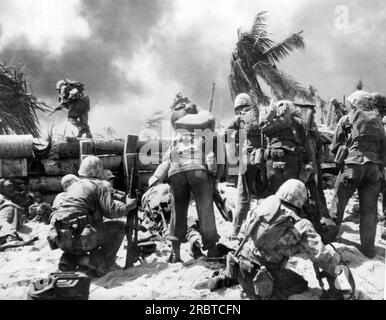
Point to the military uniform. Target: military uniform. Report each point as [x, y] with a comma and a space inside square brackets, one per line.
[247, 135]
[189, 173]
[288, 147]
[81, 231]
[276, 234]
[361, 170]
[78, 107]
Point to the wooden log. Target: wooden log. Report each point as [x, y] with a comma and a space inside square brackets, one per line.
[60, 167]
[16, 146]
[111, 162]
[153, 145]
[45, 185]
[13, 168]
[112, 146]
[68, 148]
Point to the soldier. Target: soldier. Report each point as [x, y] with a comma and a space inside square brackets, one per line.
[359, 145]
[89, 243]
[289, 151]
[190, 172]
[67, 181]
[273, 233]
[72, 98]
[247, 132]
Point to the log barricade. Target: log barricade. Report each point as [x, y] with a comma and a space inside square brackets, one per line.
[43, 174]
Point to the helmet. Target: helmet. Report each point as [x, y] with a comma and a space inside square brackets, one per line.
[281, 107]
[68, 180]
[364, 101]
[243, 99]
[60, 84]
[379, 100]
[91, 167]
[293, 192]
[360, 97]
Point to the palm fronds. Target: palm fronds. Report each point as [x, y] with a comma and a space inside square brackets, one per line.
[255, 57]
[280, 50]
[17, 106]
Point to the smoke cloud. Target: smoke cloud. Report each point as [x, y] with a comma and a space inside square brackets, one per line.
[136, 55]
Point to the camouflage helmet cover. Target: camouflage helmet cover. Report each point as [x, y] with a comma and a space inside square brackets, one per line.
[91, 167]
[293, 192]
[60, 84]
[243, 99]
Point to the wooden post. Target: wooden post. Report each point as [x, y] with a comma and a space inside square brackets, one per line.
[130, 158]
[86, 149]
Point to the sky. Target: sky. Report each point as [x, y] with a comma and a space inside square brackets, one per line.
[135, 55]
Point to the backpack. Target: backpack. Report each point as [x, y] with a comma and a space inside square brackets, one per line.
[249, 121]
[271, 225]
[366, 126]
[75, 85]
[275, 126]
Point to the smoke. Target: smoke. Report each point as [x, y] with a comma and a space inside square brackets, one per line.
[138, 54]
[118, 28]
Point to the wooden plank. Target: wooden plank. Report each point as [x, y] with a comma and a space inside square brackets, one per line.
[86, 148]
[130, 159]
[13, 168]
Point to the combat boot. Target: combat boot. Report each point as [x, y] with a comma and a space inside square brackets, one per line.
[175, 256]
[196, 250]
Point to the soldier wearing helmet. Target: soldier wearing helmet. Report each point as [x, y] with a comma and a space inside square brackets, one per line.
[289, 153]
[72, 98]
[89, 243]
[273, 233]
[244, 134]
[194, 165]
[359, 145]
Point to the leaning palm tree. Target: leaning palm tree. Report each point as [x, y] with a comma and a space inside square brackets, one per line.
[255, 58]
[17, 106]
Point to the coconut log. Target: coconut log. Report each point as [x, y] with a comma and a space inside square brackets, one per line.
[60, 167]
[16, 146]
[65, 149]
[13, 168]
[111, 162]
[153, 146]
[45, 185]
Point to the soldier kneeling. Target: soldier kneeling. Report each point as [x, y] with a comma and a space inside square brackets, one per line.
[273, 233]
[89, 243]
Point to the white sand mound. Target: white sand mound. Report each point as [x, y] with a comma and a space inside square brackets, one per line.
[157, 279]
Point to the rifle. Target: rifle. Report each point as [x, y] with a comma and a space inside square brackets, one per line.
[131, 229]
[56, 110]
[224, 210]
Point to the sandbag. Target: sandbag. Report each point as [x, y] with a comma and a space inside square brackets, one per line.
[202, 120]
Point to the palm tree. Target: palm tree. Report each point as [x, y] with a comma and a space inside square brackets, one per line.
[17, 106]
[319, 103]
[255, 57]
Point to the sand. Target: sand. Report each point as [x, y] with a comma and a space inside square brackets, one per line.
[157, 279]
